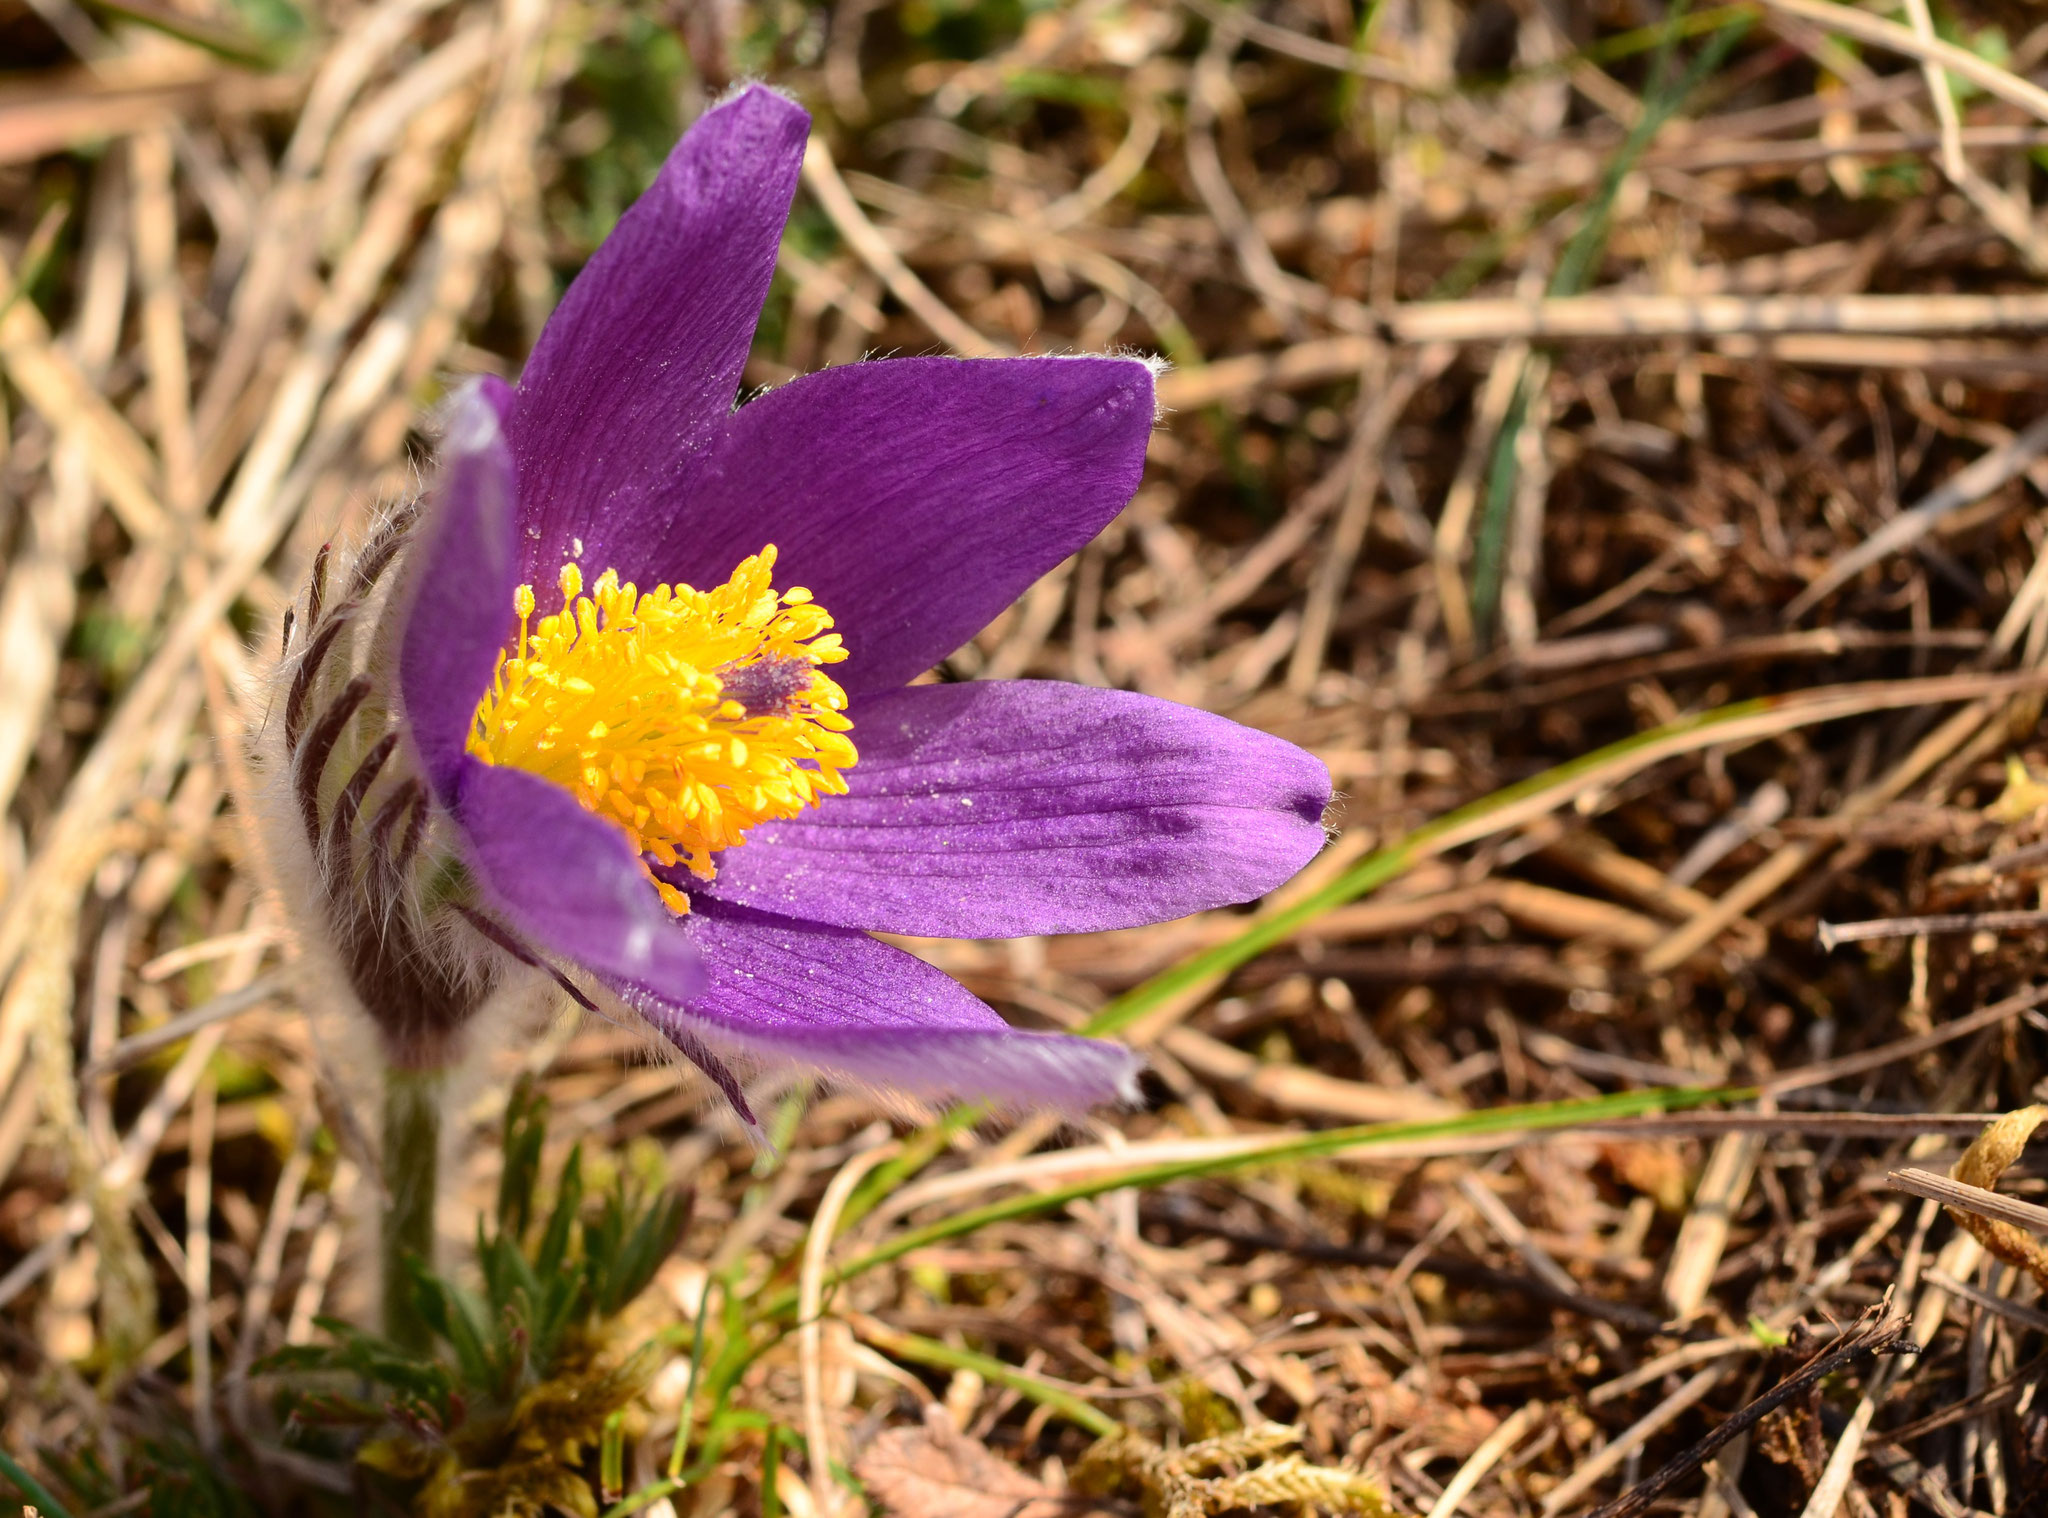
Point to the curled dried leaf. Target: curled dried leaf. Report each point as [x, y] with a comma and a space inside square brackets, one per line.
[1989, 1156]
[1995, 1149]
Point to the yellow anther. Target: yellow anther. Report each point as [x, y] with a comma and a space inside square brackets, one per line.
[702, 713]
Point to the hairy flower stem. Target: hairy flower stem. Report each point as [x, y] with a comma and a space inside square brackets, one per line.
[412, 1148]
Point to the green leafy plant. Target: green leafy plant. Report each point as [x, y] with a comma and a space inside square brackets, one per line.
[180, 1479]
[528, 1373]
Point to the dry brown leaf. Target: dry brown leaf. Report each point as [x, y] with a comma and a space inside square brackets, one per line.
[938, 1472]
[1656, 1169]
[1993, 1151]
[1989, 1156]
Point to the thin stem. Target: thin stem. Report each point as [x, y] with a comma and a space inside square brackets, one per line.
[1829, 934]
[923, 1351]
[688, 1415]
[38, 1495]
[1535, 1117]
[412, 1154]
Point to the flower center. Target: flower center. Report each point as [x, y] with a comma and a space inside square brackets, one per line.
[684, 716]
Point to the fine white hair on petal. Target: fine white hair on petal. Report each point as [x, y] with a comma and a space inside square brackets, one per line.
[1158, 364]
[763, 1066]
[739, 87]
[469, 422]
[343, 913]
[621, 1012]
[951, 1066]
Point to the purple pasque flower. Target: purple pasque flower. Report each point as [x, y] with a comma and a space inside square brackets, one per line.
[661, 793]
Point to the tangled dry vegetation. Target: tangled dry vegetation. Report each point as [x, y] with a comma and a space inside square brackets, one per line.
[1550, 379]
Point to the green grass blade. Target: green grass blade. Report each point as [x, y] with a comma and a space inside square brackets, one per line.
[1581, 257]
[922, 1351]
[229, 44]
[1732, 725]
[687, 1415]
[1576, 267]
[1645, 38]
[1490, 547]
[1740, 722]
[37, 1494]
[919, 1150]
[1533, 1118]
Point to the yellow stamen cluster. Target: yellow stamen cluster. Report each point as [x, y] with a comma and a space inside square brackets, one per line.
[628, 701]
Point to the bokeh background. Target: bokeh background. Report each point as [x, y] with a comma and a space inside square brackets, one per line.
[1618, 419]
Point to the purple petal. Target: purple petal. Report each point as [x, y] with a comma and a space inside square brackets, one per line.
[566, 879]
[915, 498]
[459, 584]
[638, 368]
[1019, 807]
[825, 999]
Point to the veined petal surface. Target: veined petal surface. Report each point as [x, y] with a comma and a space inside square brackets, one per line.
[566, 880]
[915, 497]
[778, 992]
[638, 369]
[457, 595]
[1020, 807]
